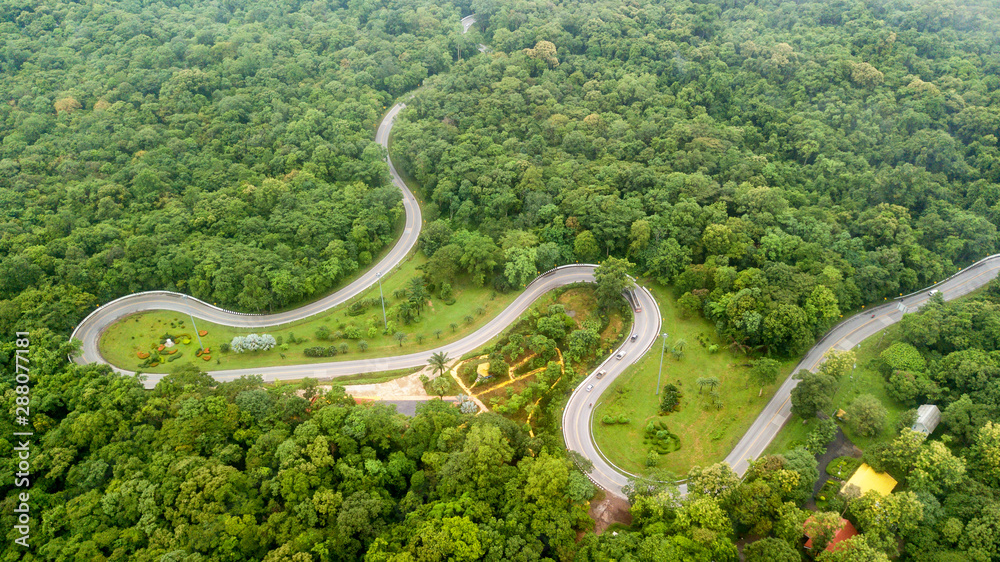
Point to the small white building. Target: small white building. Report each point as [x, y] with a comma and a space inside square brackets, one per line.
[928, 418]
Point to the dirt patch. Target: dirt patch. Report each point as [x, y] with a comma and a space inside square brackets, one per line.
[577, 300]
[606, 509]
[615, 325]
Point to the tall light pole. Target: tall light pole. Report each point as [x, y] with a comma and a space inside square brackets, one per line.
[200, 346]
[197, 335]
[663, 348]
[385, 322]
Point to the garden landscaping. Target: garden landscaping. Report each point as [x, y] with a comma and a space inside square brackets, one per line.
[540, 356]
[348, 332]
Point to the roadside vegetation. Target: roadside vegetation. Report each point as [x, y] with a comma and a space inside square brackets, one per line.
[717, 399]
[353, 331]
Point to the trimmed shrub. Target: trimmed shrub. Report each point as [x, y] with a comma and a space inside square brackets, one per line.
[252, 342]
[659, 438]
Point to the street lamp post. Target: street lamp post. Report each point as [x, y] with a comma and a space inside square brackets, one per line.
[663, 348]
[197, 335]
[200, 346]
[385, 322]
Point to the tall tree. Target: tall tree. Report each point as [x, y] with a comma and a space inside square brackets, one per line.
[612, 279]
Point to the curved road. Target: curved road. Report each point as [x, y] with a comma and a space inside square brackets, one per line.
[844, 336]
[89, 330]
[577, 417]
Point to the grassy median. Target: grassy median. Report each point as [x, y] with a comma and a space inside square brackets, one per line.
[706, 432]
[438, 324]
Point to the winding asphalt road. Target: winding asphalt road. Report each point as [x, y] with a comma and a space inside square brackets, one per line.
[577, 417]
[844, 336]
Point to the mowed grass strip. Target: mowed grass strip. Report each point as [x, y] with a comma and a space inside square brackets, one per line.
[707, 434]
[474, 306]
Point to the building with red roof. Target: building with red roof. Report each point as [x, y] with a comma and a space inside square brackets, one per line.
[846, 531]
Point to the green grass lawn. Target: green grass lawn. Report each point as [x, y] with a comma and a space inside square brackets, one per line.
[122, 340]
[864, 380]
[706, 434]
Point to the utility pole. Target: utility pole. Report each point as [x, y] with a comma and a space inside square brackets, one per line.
[385, 322]
[197, 335]
[663, 348]
[196, 331]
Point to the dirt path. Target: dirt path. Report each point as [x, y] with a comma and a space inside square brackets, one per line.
[607, 510]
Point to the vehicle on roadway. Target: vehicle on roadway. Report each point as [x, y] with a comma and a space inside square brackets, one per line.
[933, 292]
[620, 355]
[634, 336]
[590, 387]
[601, 373]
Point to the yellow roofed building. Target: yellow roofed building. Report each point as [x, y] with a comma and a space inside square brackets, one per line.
[865, 478]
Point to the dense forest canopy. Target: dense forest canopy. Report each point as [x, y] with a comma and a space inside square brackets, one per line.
[223, 149]
[779, 163]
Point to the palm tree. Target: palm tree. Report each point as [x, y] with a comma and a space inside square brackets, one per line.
[418, 293]
[712, 383]
[738, 345]
[437, 333]
[400, 337]
[454, 327]
[362, 345]
[678, 349]
[438, 361]
[701, 382]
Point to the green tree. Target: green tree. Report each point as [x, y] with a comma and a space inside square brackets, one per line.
[763, 372]
[612, 279]
[678, 350]
[813, 393]
[440, 385]
[438, 362]
[837, 363]
[451, 538]
[400, 337]
[883, 519]
[902, 356]
[866, 415]
[771, 550]
[822, 527]
[520, 267]
[963, 418]
[585, 247]
[985, 454]
[717, 481]
[479, 254]
[854, 549]
[936, 469]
